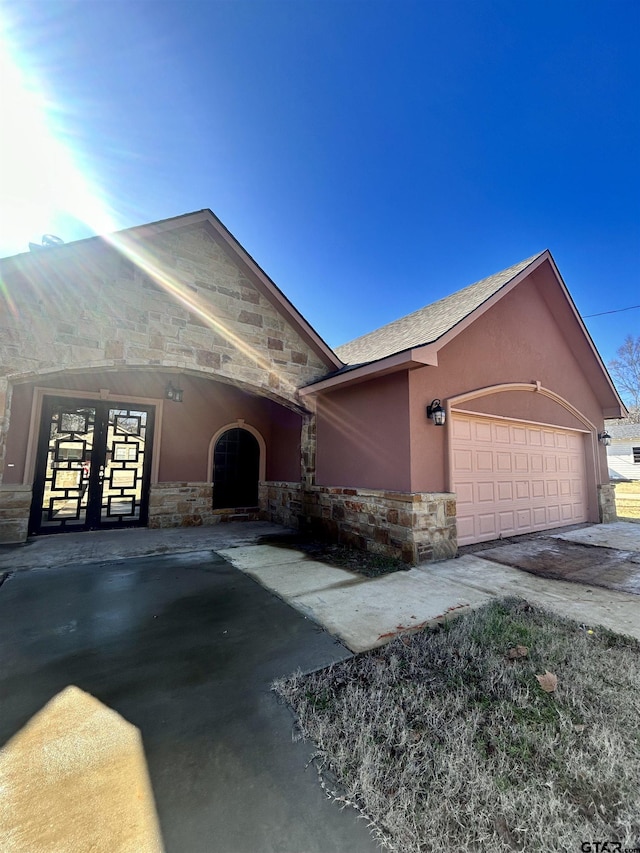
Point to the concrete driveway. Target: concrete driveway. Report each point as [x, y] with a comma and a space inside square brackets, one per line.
[184, 647]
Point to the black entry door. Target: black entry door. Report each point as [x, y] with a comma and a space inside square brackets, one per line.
[236, 469]
[93, 466]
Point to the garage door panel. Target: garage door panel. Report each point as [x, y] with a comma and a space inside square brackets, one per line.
[505, 490]
[503, 462]
[506, 522]
[463, 461]
[553, 514]
[482, 432]
[539, 516]
[534, 437]
[487, 525]
[461, 429]
[501, 434]
[486, 492]
[519, 435]
[537, 488]
[520, 463]
[464, 493]
[578, 511]
[512, 477]
[466, 526]
[484, 460]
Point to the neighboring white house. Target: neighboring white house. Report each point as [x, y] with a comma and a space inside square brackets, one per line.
[623, 454]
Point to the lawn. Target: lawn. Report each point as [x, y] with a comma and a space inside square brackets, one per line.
[446, 739]
[628, 500]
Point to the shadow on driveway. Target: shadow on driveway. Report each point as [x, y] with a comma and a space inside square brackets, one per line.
[185, 647]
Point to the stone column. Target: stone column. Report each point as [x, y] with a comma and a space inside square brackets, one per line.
[308, 450]
[607, 503]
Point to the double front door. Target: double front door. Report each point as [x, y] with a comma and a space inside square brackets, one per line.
[93, 466]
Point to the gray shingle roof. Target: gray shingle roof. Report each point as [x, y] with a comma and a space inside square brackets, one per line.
[623, 430]
[429, 323]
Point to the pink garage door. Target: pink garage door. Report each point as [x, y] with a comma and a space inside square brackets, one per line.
[513, 477]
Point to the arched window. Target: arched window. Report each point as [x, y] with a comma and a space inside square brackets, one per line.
[236, 469]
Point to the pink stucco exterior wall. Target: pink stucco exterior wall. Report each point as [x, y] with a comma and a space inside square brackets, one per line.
[529, 335]
[363, 435]
[518, 340]
[186, 428]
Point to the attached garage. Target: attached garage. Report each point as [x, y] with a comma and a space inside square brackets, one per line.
[514, 477]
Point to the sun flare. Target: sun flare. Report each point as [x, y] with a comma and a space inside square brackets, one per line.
[42, 181]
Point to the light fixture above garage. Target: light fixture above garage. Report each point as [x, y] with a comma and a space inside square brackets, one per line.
[605, 438]
[436, 413]
[173, 393]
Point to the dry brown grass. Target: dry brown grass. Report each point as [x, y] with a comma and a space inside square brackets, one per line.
[628, 500]
[443, 743]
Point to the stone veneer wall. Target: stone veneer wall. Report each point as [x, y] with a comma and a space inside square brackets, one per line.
[607, 503]
[109, 313]
[15, 506]
[190, 505]
[415, 527]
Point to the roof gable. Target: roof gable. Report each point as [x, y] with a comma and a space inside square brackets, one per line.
[415, 340]
[136, 245]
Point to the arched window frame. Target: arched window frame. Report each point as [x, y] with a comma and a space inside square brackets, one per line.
[239, 424]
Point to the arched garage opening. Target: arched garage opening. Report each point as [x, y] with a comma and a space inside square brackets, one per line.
[521, 459]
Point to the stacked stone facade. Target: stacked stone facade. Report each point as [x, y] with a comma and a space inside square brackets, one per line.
[417, 528]
[15, 505]
[607, 503]
[188, 306]
[191, 505]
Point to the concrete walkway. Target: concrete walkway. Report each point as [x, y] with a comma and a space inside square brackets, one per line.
[367, 612]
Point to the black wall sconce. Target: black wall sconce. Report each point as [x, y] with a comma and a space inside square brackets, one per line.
[436, 413]
[605, 438]
[173, 393]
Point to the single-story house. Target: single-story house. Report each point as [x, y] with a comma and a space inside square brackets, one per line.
[623, 454]
[158, 377]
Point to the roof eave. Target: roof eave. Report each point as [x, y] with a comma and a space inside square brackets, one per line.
[405, 360]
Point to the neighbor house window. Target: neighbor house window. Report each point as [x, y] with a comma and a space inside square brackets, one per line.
[636, 454]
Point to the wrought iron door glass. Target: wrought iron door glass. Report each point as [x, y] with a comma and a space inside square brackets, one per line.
[93, 466]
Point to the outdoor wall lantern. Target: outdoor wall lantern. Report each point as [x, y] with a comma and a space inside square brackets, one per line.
[605, 438]
[173, 393]
[436, 413]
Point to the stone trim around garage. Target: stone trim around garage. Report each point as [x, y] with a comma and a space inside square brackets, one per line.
[15, 507]
[417, 528]
[607, 503]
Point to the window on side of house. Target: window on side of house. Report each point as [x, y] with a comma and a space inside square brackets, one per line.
[636, 455]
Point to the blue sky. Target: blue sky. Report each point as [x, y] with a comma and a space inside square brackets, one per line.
[372, 156]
